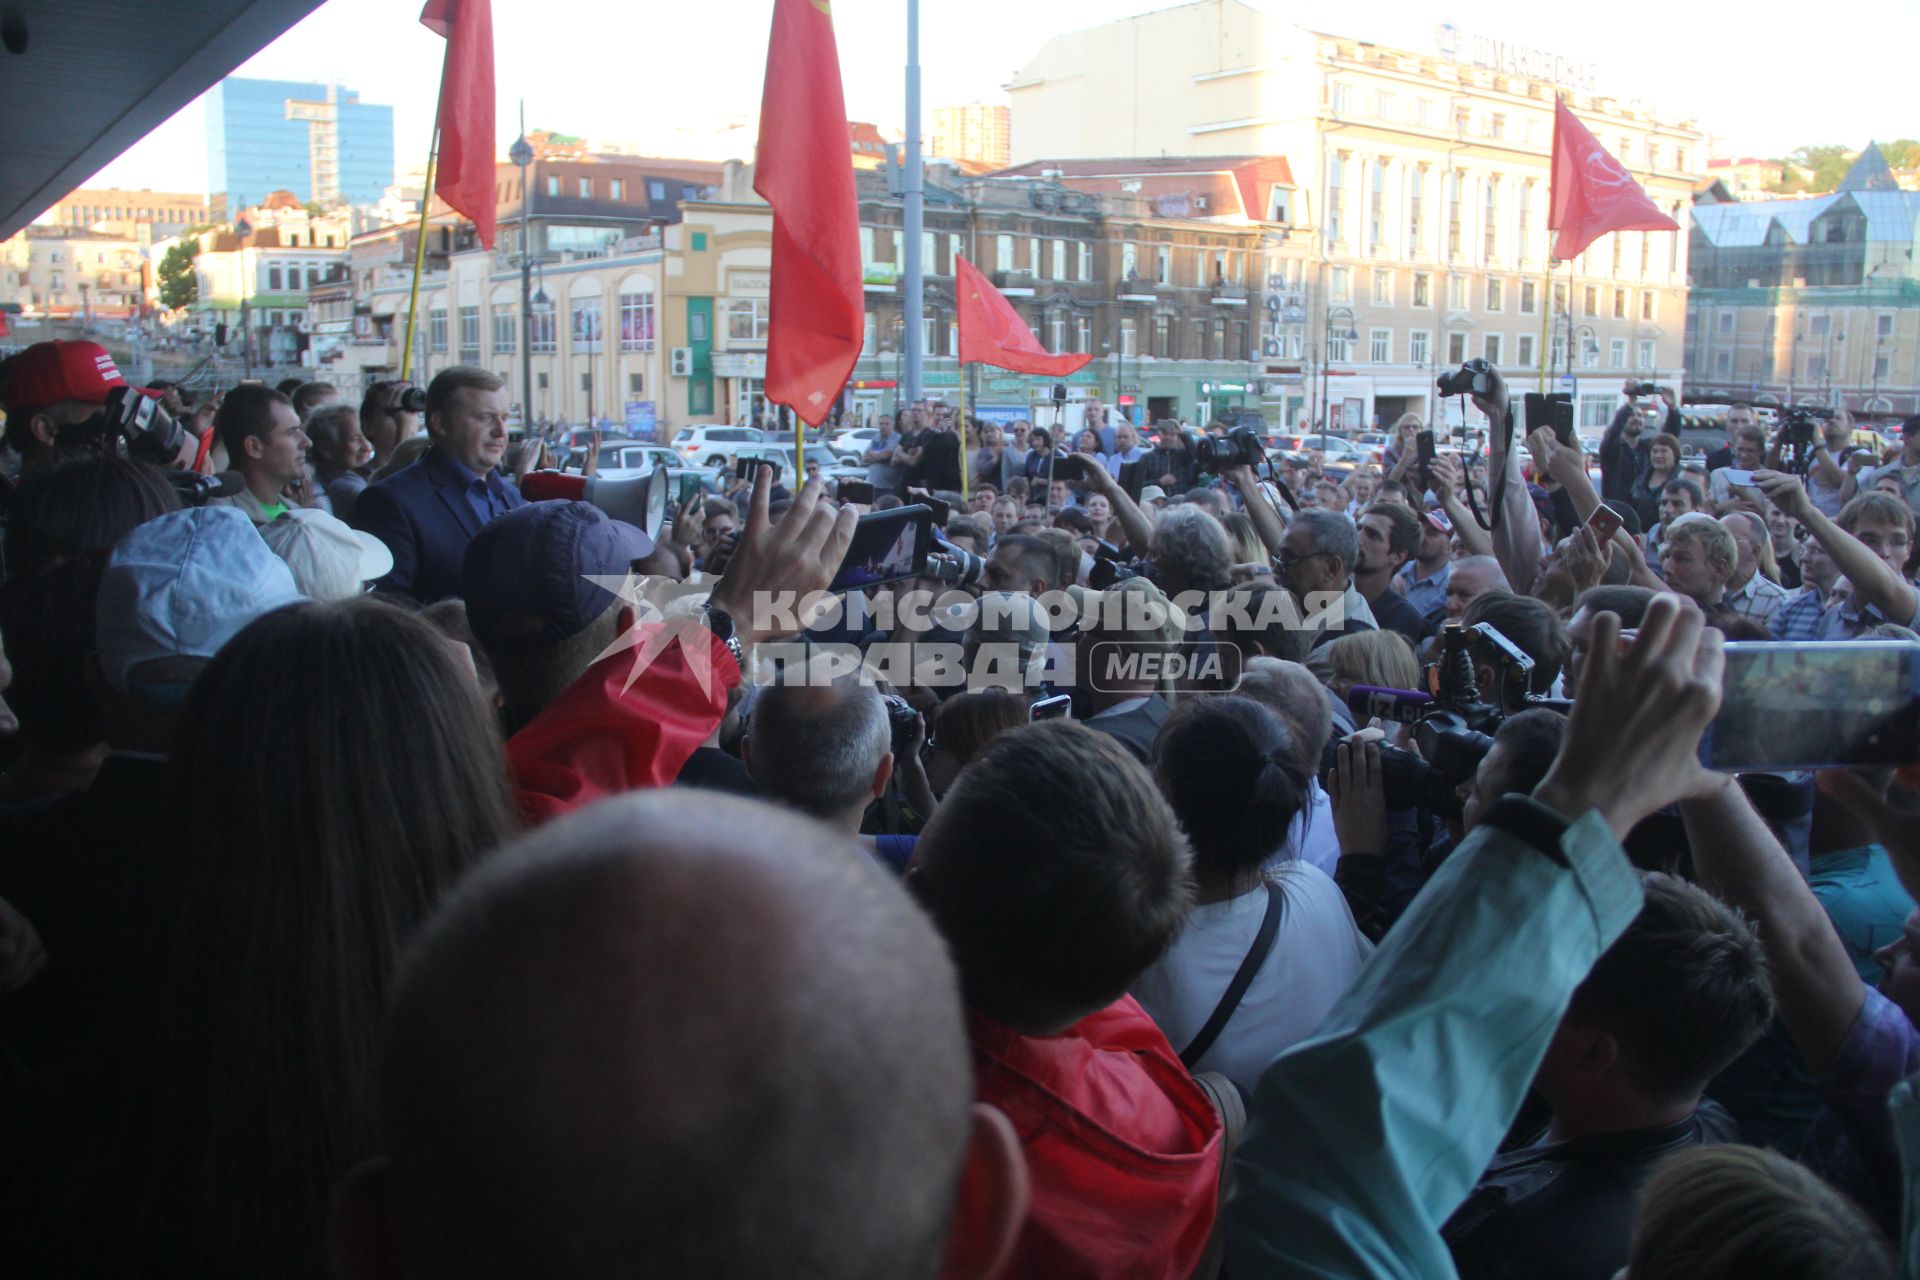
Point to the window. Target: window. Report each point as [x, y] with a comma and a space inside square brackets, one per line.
[618, 188]
[273, 279]
[1680, 159]
[1422, 289]
[1382, 287]
[469, 335]
[1589, 353]
[1163, 264]
[1380, 348]
[1496, 125]
[586, 326]
[1490, 221]
[1557, 352]
[636, 321]
[1817, 326]
[1059, 260]
[1617, 354]
[1199, 351]
[1725, 320]
[657, 189]
[1424, 113]
[637, 384]
[1127, 337]
[1420, 346]
[1129, 260]
[1456, 348]
[1653, 155]
[1595, 411]
[1085, 255]
[1336, 197]
[1496, 295]
[1342, 286]
[1723, 363]
[1523, 351]
[1591, 295]
[1882, 366]
[1492, 348]
[1416, 196]
[1338, 349]
[1377, 208]
[1647, 303]
[1279, 205]
[1003, 253]
[1620, 304]
[1385, 105]
[553, 184]
[1883, 326]
[1162, 336]
[1034, 258]
[1529, 297]
[586, 188]
[1342, 98]
[1618, 241]
[1646, 354]
[437, 329]
[1056, 333]
[1457, 292]
[1453, 215]
[540, 334]
[747, 321]
[1082, 334]
[503, 328]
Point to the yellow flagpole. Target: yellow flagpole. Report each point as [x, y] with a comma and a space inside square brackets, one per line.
[965, 464]
[799, 450]
[420, 255]
[1546, 316]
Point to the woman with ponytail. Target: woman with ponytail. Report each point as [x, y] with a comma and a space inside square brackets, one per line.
[1266, 952]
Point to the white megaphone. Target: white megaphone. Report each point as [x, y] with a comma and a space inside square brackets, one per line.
[642, 503]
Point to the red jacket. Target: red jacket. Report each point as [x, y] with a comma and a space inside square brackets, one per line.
[600, 738]
[1122, 1147]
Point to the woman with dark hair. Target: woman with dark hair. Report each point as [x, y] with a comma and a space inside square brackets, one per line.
[343, 773]
[1228, 767]
[81, 505]
[962, 728]
[1663, 464]
[1039, 463]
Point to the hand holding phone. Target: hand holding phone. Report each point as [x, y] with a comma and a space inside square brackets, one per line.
[1605, 522]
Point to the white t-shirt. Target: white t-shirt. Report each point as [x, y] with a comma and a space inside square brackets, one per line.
[1311, 838]
[1315, 956]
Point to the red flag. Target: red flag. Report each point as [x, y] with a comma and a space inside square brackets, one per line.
[992, 332]
[465, 169]
[4, 330]
[804, 169]
[1592, 194]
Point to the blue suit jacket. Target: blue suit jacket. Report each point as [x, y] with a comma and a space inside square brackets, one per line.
[423, 516]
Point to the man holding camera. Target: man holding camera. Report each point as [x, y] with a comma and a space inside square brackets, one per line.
[52, 387]
[427, 513]
[1623, 449]
[1905, 468]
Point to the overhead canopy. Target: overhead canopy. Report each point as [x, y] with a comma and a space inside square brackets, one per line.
[98, 75]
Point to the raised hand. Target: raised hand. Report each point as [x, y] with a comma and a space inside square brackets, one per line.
[775, 564]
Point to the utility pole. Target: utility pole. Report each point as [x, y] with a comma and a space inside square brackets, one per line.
[913, 198]
[522, 156]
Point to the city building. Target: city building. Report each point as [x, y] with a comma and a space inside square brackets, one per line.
[254, 276]
[869, 145]
[976, 132]
[70, 273]
[1421, 195]
[1748, 179]
[1810, 301]
[318, 141]
[140, 215]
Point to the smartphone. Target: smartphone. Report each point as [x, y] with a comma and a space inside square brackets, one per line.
[1072, 467]
[1605, 522]
[1423, 445]
[941, 511]
[1058, 707]
[1738, 475]
[1552, 410]
[887, 546]
[745, 467]
[690, 488]
[1816, 705]
[854, 491]
[1132, 479]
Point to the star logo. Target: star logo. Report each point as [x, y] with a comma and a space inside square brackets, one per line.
[663, 612]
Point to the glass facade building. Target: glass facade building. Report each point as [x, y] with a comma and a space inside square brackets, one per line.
[318, 141]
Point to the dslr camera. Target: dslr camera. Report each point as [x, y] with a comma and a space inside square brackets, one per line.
[131, 421]
[411, 399]
[1474, 378]
[1240, 447]
[1642, 389]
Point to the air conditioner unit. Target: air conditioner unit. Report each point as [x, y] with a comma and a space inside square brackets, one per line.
[1271, 350]
[681, 363]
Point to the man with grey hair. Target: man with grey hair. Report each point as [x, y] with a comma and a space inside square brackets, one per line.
[1316, 564]
[1190, 553]
[1749, 592]
[820, 745]
[1470, 578]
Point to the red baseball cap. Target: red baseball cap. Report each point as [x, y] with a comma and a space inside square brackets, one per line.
[51, 372]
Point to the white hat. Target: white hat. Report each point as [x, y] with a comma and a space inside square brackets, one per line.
[1153, 493]
[181, 586]
[329, 560]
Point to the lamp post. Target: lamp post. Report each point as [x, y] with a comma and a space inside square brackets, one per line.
[1335, 315]
[522, 156]
[540, 305]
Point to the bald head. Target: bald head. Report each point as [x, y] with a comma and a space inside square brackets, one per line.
[676, 1035]
[819, 745]
[1469, 579]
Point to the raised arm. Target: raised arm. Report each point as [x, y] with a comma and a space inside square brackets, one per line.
[1874, 580]
[1132, 520]
[1449, 486]
[1266, 520]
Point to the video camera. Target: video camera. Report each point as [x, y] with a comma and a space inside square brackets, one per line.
[1474, 378]
[1801, 433]
[1453, 726]
[411, 399]
[954, 566]
[1240, 447]
[1643, 389]
[132, 421]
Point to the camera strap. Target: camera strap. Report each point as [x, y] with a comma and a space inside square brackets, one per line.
[1497, 491]
[1242, 978]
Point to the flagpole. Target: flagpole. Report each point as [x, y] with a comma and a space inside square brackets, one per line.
[962, 415]
[420, 251]
[1546, 314]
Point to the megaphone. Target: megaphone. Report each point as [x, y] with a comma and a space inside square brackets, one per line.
[642, 503]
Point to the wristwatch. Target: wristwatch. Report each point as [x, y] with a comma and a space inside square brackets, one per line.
[720, 622]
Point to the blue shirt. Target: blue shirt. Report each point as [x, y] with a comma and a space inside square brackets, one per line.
[486, 494]
[1864, 899]
[1799, 618]
[1428, 596]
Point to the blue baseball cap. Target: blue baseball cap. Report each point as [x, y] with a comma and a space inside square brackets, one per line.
[527, 576]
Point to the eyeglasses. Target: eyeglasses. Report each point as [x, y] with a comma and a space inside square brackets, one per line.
[1287, 562]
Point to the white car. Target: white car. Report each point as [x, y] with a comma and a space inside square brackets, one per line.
[831, 467]
[637, 461]
[853, 443]
[709, 443]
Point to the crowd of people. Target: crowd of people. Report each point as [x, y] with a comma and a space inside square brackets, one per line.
[389, 887]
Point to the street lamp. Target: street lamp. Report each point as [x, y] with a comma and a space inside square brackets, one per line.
[1335, 315]
[541, 305]
[522, 156]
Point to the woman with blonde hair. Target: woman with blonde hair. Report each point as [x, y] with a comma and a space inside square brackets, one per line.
[1380, 658]
[1246, 544]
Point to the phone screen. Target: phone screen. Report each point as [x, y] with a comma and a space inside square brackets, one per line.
[854, 491]
[1817, 704]
[690, 488]
[886, 546]
[1605, 522]
[1424, 443]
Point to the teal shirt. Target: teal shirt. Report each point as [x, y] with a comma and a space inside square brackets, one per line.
[1363, 1140]
[1865, 900]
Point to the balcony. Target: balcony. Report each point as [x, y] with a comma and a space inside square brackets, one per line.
[1229, 295]
[1015, 284]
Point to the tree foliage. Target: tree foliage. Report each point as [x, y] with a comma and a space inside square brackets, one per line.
[179, 283]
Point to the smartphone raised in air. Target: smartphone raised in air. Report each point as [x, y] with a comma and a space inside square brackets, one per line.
[1058, 707]
[1816, 705]
[887, 546]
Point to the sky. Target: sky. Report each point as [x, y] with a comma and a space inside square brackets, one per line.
[684, 79]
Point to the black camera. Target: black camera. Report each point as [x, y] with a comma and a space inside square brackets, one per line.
[955, 566]
[1240, 447]
[1474, 378]
[1642, 389]
[411, 399]
[131, 420]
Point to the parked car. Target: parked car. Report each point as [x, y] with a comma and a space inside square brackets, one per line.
[709, 443]
[853, 443]
[633, 461]
[832, 466]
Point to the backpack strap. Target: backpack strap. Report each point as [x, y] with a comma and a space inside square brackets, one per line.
[1242, 978]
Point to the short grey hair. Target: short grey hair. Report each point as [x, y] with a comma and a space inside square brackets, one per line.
[1333, 534]
[1193, 544]
[1293, 692]
[1488, 565]
[815, 747]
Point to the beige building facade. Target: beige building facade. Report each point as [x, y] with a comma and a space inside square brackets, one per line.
[978, 131]
[1421, 190]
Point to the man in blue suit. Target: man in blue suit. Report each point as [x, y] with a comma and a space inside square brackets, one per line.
[429, 512]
